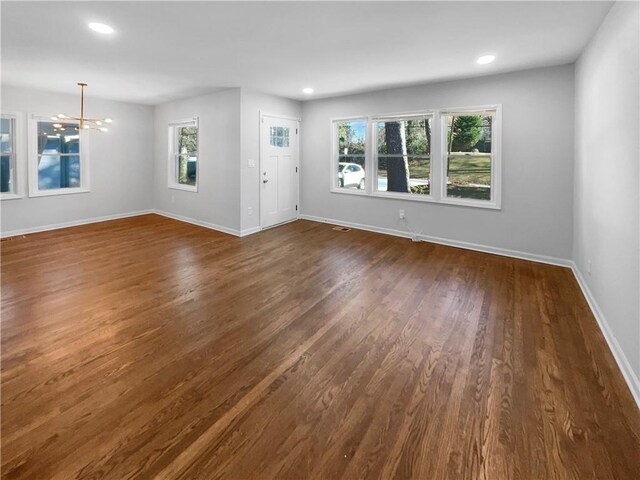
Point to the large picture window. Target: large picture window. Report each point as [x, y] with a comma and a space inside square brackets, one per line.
[349, 158]
[446, 156]
[183, 155]
[58, 158]
[403, 155]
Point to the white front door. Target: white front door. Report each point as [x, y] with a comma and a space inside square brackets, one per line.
[279, 170]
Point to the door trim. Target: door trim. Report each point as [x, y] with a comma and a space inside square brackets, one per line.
[263, 115]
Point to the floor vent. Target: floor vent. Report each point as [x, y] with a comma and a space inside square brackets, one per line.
[342, 229]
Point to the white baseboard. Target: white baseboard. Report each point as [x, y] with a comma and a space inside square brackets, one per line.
[448, 242]
[621, 359]
[200, 223]
[105, 218]
[250, 231]
[75, 223]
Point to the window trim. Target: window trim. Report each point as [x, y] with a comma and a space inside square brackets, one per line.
[34, 190]
[335, 159]
[17, 165]
[496, 158]
[426, 114]
[171, 171]
[437, 192]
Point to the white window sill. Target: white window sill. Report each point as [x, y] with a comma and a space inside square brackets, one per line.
[471, 203]
[10, 196]
[415, 197]
[58, 191]
[186, 188]
[350, 191]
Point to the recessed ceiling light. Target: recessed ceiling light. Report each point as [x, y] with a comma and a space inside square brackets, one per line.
[307, 90]
[100, 27]
[483, 60]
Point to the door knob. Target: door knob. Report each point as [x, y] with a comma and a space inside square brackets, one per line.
[265, 180]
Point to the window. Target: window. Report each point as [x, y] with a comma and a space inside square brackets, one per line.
[349, 154]
[403, 155]
[469, 160]
[8, 157]
[467, 170]
[183, 155]
[279, 137]
[58, 158]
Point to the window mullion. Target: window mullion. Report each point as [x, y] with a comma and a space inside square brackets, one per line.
[438, 157]
[370, 159]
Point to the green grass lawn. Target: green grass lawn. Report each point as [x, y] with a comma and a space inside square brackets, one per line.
[418, 168]
[466, 169]
[466, 172]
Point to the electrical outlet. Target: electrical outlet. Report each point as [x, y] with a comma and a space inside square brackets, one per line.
[401, 214]
[589, 267]
[251, 163]
[249, 210]
[173, 199]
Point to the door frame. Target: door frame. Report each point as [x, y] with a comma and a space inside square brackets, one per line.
[298, 121]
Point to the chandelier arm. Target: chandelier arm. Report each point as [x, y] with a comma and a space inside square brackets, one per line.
[81, 105]
[83, 123]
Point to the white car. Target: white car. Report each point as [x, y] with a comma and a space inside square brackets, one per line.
[350, 175]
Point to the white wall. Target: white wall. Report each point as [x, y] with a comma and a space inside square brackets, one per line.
[121, 168]
[217, 201]
[537, 158]
[607, 150]
[252, 104]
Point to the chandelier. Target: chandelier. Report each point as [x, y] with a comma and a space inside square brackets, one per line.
[84, 123]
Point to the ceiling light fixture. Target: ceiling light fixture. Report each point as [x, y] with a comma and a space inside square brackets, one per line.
[307, 90]
[101, 28]
[85, 123]
[483, 60]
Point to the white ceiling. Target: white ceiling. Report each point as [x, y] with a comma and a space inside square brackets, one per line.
[167, 50]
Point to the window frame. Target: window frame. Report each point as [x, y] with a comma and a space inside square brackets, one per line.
[172, 170]
[437, 191]
[427, 114]
[83, 153]
[496, 158]
[335, 156]
[17, 153]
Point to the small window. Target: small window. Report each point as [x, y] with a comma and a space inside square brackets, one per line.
[349, 145]
[279, 137]
[403, 155]
[183, 155]
[469, 161]
[58, 156]
[58, 162]
[8, 164]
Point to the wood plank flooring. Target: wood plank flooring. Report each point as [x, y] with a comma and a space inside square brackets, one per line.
[151, 348]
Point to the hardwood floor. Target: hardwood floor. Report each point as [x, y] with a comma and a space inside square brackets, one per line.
[151, 348]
